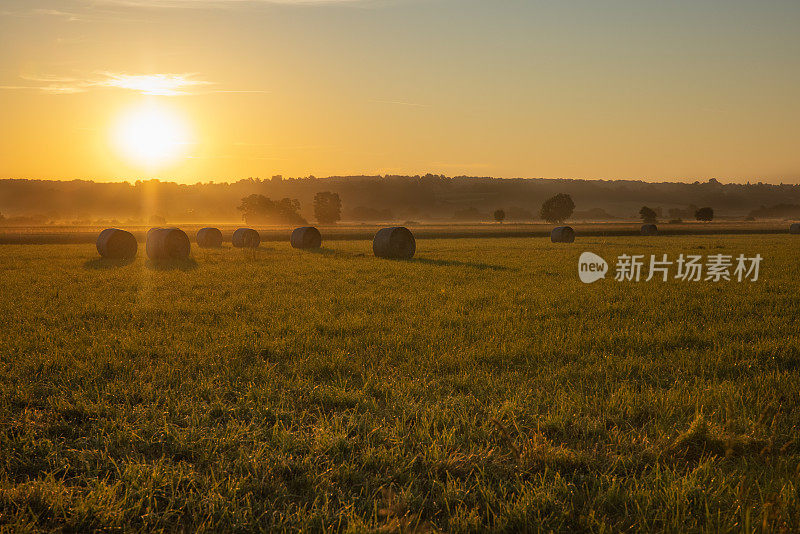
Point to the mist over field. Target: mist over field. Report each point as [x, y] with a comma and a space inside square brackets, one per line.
[386, 198]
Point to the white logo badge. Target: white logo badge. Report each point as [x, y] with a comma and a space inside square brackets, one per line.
[591, 267]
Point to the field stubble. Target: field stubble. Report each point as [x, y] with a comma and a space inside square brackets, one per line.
[478, 386]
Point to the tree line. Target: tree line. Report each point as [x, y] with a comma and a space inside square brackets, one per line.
[259, 209]
[385, 198]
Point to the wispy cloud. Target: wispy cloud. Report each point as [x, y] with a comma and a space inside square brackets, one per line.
[56, 13]
[400, 103]
[80, 15]
[240, 91]
[61, 89]
[160, 84]
[119, 10]
[45, 78]
[16, 87]
[47, 84]
[151, 84]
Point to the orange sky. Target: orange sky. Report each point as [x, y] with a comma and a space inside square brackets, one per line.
[229, 89]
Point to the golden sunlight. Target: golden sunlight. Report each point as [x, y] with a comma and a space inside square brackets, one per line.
[151, 136]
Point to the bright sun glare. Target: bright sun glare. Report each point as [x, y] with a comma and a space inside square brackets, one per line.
[151, 136]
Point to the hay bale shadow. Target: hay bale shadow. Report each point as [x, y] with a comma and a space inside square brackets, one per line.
[324, 251]
[107, 263]
[455, 263]
[171, 265]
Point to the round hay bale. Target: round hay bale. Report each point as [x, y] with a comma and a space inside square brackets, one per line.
[562, 234]
[209, 238]
[649, 229]
[246, 238]
[794, 228]
[395, 242]
[306, 237]
[167, 244]
[116, 244]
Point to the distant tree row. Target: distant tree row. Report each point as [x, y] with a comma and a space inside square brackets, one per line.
[560, 207]
[407, 197]
[555, 209]
[778, 211]
[425, 197]
[259, 209]
[650, 215]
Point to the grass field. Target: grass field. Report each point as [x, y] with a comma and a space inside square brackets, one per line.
[480, 386]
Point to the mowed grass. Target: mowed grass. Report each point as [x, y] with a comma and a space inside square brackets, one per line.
[480, 386]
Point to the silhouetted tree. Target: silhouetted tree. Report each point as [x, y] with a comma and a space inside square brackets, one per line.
[704, 214]
[557, 209]
[260, 209]
[327, 207]
[648, 215]
[499, 215]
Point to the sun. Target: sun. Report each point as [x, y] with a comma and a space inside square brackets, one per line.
[151, 136]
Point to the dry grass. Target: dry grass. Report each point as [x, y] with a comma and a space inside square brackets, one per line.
[477, 387]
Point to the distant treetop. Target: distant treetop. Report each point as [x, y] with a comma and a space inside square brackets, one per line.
[557, 209]
[648, 215]
[258, 209]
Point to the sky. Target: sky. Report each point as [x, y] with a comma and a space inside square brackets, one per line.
[219, 90]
